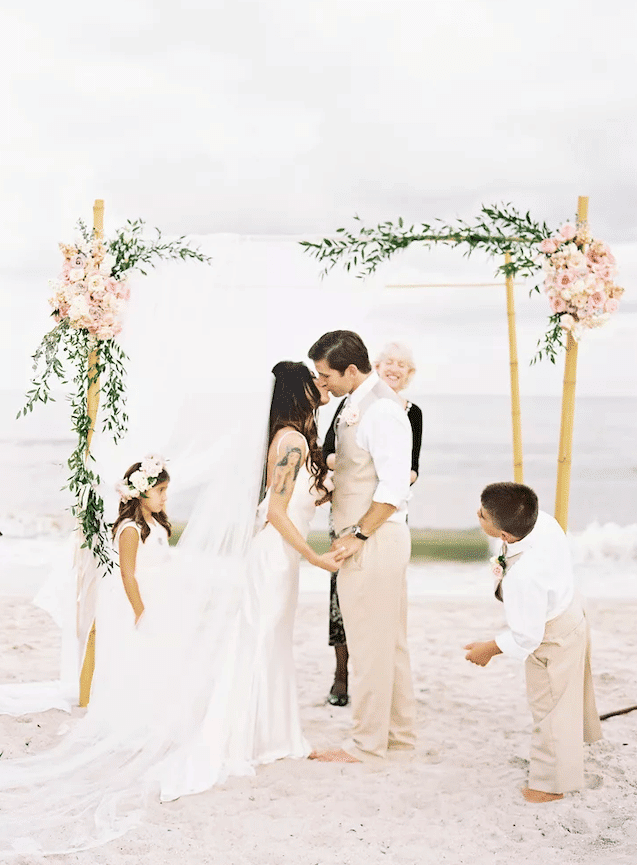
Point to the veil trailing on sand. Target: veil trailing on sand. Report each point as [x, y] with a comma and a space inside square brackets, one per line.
[199, 389]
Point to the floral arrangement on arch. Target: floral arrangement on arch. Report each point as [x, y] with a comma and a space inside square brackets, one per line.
[579, 280]
[89, 299]
[87, 293]
[580, 272]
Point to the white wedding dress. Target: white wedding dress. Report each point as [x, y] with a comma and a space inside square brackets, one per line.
[202, 688]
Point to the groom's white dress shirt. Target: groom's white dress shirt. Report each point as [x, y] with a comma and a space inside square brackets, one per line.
[385, 433]
[537, 587]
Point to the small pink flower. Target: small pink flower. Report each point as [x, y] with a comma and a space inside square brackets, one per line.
[350, 415]
[497, 571]
[125, 492]
[611, 305]
[565, 278]
[557, 304]
[598, 298]
[548, 246]
[568, 231]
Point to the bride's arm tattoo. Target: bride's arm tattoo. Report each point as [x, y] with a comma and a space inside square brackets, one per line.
[287, 465]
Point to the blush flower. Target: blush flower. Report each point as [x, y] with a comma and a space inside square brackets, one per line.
[350, 415]
[548, 246]
[568, 231]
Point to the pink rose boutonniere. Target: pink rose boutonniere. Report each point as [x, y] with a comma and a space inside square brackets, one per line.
[351, 415]
[499, 565]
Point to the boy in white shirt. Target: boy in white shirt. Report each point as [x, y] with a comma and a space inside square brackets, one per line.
[547, 629]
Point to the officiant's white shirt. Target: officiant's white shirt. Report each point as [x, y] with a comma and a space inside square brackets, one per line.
[384, 432]
[536, 587]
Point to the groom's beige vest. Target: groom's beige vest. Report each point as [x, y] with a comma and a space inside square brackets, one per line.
[355, 478]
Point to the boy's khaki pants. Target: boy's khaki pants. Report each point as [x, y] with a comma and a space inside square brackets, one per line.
[560, 692]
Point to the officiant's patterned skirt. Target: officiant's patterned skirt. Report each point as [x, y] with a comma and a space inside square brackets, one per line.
[337, 631]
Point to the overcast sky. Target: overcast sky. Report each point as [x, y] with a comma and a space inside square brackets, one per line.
[286, 117]
[279, 116]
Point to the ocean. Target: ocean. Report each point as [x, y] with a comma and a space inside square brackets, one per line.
[466, 445]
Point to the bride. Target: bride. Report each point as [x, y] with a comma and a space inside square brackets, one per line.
[217, 628]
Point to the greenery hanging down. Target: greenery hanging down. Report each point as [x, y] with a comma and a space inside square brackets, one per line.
[496, 231]
[88, 301]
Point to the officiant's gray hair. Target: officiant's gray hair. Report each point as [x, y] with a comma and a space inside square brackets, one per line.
[398, 351]
[339, 349]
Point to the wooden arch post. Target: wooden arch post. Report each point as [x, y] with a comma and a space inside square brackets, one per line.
[93, 399]
[563, 485]
[516, 418]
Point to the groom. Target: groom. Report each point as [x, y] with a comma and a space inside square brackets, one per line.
[369, 512]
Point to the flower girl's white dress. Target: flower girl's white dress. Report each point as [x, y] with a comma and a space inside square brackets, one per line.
[202, 688]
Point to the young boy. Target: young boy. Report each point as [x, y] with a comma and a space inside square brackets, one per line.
[546, 629]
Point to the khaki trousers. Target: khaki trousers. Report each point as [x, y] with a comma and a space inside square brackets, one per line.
[372, 589]
[560, 693]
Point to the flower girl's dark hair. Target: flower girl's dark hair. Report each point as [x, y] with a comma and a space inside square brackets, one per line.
[132, 509]
[295, 399]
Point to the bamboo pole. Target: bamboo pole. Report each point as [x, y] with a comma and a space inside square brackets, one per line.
[562, 488]
[92, 399]
[516, 423]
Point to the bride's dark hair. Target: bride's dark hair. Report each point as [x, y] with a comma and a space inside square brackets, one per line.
[295, 399]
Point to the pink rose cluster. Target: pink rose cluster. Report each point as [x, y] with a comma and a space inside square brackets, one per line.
[86, 293]
[579, 279]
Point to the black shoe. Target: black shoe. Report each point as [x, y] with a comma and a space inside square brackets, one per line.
[337, 699]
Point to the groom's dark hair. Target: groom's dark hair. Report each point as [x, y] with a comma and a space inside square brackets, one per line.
[340, 348]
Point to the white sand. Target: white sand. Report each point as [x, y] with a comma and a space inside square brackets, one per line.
[455, 801]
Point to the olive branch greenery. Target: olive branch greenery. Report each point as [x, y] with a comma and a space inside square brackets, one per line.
[91, 359]
[499, 229]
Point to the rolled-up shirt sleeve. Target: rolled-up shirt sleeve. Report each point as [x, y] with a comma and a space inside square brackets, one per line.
[385, 432]
[525, 607]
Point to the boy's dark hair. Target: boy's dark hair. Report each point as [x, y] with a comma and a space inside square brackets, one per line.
[340, 348]
[512, 507]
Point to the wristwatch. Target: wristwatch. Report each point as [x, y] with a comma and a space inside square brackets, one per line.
[356, 531]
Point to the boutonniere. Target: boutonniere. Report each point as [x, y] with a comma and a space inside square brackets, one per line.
[351, 414]
[499, 565]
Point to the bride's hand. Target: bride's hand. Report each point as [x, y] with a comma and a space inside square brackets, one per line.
[329, 561]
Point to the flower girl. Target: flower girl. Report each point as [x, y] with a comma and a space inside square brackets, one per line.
[136, 605]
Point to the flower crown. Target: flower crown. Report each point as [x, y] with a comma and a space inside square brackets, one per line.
[143, 479]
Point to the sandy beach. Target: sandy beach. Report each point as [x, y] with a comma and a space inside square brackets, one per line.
[455, 801]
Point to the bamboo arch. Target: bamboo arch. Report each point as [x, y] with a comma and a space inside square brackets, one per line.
[516, 415]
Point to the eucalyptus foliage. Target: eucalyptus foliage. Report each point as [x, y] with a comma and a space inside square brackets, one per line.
[496, 231]
[74, 356]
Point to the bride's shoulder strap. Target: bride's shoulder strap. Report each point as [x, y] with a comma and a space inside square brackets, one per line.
[291, 432]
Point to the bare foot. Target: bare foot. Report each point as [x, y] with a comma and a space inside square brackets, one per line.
[537, 796]
[336, 756]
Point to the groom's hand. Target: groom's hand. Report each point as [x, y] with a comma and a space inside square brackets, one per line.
[346, 547]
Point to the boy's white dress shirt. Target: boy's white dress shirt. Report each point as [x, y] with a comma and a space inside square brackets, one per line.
[537, 587]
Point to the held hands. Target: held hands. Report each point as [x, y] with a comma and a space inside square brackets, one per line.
[328, 561]
[341, 549]
[346, 546]
[481, 653]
